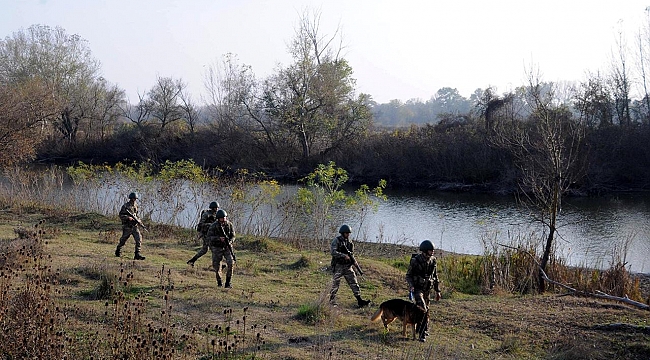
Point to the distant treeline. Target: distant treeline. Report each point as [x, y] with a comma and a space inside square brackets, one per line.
[548, 138]
[455, 153]
[444, 102]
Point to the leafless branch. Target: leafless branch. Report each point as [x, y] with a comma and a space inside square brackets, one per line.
[597, 294]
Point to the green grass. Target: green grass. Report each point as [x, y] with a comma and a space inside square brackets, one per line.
[110, 307]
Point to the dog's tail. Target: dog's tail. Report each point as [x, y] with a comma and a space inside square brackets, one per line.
[377, 314]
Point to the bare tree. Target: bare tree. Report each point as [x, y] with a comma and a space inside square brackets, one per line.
[546, 149]
[191, 111]
[234, 100]
[164, 101]
[620, 82]
[643, 42]
[109, 99]
[314, 97]
[138, 113]
[594, 102]
[65, 65]
[24, 110]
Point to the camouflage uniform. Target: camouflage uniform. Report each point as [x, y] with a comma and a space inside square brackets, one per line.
[342, 267]
[421, 276]
[217, 235]
[130, 227]
[208, 217]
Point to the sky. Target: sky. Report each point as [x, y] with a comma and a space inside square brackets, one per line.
[403, 50]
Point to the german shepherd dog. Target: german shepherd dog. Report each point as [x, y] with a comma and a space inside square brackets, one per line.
[408, 312]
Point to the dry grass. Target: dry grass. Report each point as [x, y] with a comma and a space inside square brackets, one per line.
[64, 295]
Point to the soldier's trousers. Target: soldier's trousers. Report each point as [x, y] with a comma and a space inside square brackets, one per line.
[127, 231]
[346, 271]
[203, 250]
[218, 255]
[422, 299]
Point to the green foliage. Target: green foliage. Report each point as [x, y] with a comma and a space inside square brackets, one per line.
[313, 313]
[363, 195]
[255, 202]
[82, 172]
[324, 189]
[402, 264]
[313, 99]
[329, 177]
[462, 273]
[182, 169]
[142, 172]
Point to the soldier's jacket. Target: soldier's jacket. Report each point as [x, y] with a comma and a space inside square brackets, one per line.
[217, 230]
[207, 218]
[423, 273]
[337, 249]
[124, 215]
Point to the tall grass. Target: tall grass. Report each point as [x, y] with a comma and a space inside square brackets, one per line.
[136, 322]
[31, 321]
[35, 323]
[173, 193]
[513, 268]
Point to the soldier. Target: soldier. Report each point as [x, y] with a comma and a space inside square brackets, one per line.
[342, 262]
[207, 218]
[421, 276]
[221, 235]
[129, 217]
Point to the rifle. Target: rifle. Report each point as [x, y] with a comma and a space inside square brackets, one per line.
[354, 261]
[137, 220]
[234, 258]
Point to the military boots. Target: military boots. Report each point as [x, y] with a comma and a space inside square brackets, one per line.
[362, 302]
[138, 257]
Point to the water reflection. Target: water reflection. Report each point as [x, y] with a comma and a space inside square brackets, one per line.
[590, 229]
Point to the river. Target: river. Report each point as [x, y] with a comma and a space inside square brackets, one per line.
[592, 231]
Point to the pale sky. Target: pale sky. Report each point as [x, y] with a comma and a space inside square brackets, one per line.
[404, 49]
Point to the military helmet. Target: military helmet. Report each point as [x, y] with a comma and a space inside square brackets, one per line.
[214, 205]
[221, 213]
[345, 229]
[426, 245]
[133, 195]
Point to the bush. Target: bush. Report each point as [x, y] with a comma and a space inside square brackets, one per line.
[313, 313]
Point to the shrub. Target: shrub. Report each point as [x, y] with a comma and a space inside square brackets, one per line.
[313, 313]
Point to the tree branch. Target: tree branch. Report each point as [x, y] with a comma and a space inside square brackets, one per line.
[597, 294]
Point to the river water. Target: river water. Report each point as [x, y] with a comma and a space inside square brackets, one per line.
[592, 231]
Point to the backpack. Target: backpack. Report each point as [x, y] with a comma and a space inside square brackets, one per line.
[199, 225]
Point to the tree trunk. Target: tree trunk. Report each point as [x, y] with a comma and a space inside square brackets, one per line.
[304, 142]
[545, 257]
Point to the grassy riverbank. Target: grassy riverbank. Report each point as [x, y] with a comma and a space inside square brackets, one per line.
[61, 285]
